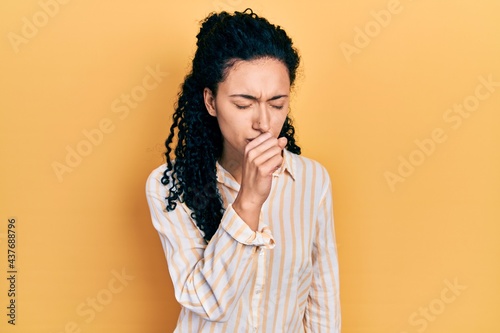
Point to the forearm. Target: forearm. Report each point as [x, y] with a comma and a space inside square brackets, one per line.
[210, 279]
[214, 286]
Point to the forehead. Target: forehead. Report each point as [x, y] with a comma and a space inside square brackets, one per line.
[258, 76]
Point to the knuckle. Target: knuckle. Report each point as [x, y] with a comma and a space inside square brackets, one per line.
[250, 153]
[263, 172]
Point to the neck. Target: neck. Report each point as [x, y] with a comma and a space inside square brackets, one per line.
[233, 166]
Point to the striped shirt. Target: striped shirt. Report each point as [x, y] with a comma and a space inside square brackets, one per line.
[282, 278]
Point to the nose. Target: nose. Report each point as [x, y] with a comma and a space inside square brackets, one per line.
[262, 121]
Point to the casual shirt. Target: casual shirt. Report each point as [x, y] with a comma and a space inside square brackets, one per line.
[281, 278]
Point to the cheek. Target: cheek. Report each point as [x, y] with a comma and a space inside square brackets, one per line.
[231, 123]
[279, 120]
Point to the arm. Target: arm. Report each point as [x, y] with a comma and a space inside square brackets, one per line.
[323, 305]
[208, 279]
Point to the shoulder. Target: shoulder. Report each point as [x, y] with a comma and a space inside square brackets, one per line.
[307, 168]
[153, 183]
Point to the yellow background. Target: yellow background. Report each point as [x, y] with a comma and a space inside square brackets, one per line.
[359, 113]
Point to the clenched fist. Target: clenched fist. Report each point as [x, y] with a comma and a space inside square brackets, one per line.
[263, 156]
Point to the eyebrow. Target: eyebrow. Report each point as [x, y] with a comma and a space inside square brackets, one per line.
[253, 98]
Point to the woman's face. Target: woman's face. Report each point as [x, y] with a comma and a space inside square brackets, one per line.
[253, 99]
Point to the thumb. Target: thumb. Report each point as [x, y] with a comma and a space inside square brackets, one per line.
[282, 142]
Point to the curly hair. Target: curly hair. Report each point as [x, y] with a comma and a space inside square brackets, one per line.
[223, 39]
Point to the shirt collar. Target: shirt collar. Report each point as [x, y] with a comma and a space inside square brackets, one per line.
[288, 165]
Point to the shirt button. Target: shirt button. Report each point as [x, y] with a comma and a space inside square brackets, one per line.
[258, 291]
[261, 253]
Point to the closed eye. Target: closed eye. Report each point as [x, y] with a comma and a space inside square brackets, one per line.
[242, 107]
[278, 107]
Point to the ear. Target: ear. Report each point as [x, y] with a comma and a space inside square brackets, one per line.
[209, 99]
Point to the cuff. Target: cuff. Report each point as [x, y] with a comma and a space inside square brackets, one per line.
[241, 232]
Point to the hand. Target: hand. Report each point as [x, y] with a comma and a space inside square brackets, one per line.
[263, 156]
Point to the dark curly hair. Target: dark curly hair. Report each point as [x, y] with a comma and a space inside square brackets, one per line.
[223, 39]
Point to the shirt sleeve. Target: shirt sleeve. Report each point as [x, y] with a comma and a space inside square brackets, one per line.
[322, 313]
[208, 279]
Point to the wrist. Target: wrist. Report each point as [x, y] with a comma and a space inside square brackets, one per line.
[249, 212]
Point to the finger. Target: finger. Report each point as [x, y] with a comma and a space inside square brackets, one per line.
[264, 150]
[258, 140]
[269, 158]
[272, 164]
[282, 142]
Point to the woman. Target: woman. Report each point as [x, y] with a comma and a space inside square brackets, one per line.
[245, 222]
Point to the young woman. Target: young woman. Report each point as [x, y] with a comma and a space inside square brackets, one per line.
[245, 222]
